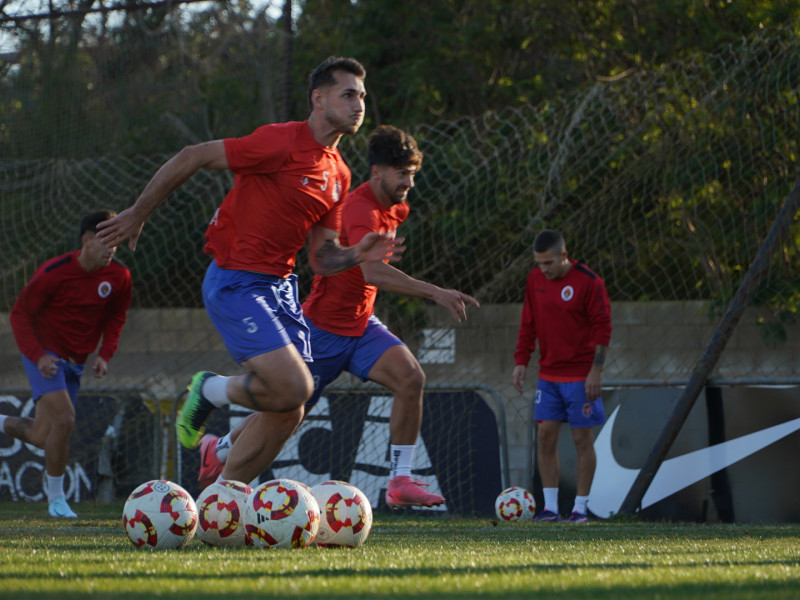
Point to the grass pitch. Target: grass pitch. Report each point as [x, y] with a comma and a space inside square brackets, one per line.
[405, 557]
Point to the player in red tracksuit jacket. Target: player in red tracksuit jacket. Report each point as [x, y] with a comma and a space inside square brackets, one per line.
[70, 303]
[567, 310]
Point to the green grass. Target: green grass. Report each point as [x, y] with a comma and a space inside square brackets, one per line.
[405, 556]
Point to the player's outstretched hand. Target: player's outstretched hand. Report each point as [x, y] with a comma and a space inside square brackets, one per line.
[456, 302]
[379, 246]
[127, 225]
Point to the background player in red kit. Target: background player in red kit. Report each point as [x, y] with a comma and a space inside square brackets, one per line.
[347, 336]
[567, 309]
[290, 182]
[68, 305]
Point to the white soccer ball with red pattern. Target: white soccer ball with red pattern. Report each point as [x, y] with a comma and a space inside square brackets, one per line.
[345, 514]
[515, 504]
[220, 511]
[281, 513]
[159, 514]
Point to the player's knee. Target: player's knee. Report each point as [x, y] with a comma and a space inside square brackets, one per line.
[410, 382]
[546, 441]
[63, 424]
[294, 395]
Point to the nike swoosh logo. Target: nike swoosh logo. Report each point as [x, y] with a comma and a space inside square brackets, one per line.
[612, 481]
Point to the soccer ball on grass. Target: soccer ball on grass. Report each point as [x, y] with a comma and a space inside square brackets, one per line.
[345, 514]
[159, 514]
[220, 510]
[515, 504]
[281, 513]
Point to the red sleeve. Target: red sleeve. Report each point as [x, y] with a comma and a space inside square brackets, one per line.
[600, 314]
[263, 151]
[116, 313]
[29, 303]
[526, 338]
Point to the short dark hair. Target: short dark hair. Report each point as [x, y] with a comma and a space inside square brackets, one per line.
[323, 74]
[389, 146]
[548, 239]
[89, 222]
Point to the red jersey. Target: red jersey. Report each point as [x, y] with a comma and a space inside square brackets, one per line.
[342, 303]
[569, 316]
[285, 182]
[66, 309]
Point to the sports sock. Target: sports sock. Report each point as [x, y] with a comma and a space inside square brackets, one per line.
[400, 460]
[214, 390]
[3, 423]
[580, 504]
[55, 487]
[224, 447]
[551, 499]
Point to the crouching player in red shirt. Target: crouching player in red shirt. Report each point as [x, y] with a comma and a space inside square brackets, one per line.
[345, 333]
[68, 305]
[567, 309]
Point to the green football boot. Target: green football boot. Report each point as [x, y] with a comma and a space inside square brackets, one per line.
[195, 412]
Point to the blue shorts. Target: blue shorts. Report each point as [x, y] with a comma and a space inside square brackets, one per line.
[567, 402]
[334, 354]
[67, 377]
[255, 313]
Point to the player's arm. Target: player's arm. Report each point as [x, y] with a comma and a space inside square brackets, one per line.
[594, 380]
[128, 224]
[23, 314]
[387, 278]
[327, 256]
[29, 303]
[600, 323]
[526, 339]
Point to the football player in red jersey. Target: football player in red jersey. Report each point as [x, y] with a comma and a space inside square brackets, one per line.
[289, 184]
[567, 310]
[345, 333]
[70, 303]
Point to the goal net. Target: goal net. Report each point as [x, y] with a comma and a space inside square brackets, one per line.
[665, 183]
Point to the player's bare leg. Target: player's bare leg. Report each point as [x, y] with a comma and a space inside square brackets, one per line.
[587, 459]
[278, 384]
[399, 371]
[547, 452]
[547, 460]
[276, 381]
[258, 443]
[279, 379]
[50, 430]
[587, 462]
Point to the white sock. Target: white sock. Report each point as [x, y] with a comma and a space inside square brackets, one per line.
[55, 487]
[214, 390]
[400, 460]
[224, 447]
[551, 499]
[580, 504]
[3, 423]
